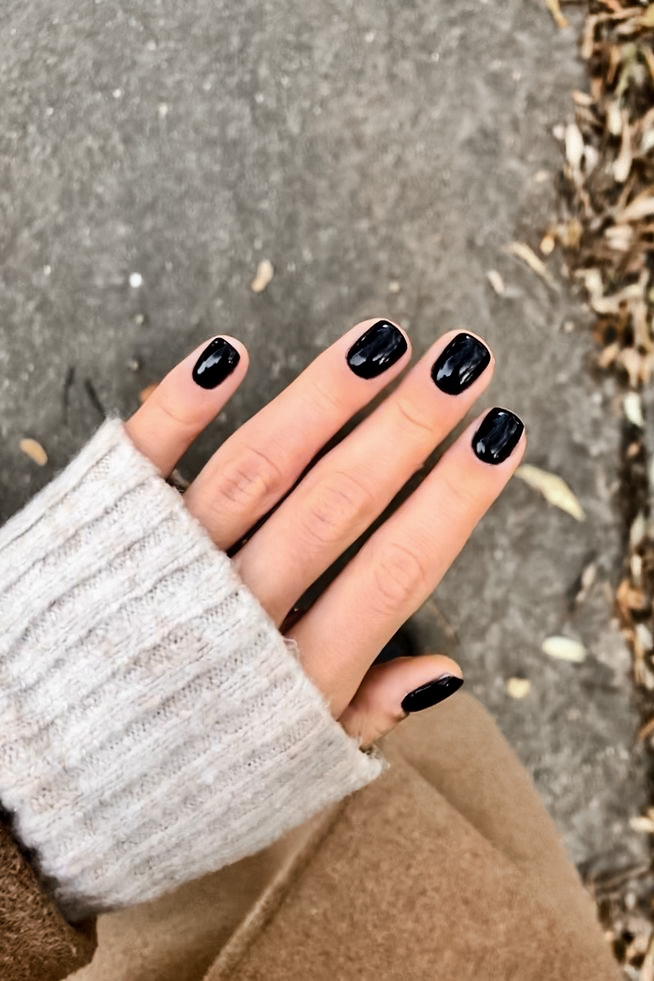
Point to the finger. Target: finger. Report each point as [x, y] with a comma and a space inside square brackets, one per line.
[405, 559]
[255, 467]
[186, 400]
[349, 487]
[389, 692]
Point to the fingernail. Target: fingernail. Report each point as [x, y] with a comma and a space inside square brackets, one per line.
[431, 694]
[460, 364]
[215, 363]
[376, 350]
[498, 436]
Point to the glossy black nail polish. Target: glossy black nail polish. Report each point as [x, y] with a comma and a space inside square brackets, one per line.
[460, 364]
[215, 363]
[376, 350]
[498, 436]
[431, 694]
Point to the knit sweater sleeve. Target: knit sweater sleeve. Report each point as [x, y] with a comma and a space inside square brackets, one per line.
[154, 724]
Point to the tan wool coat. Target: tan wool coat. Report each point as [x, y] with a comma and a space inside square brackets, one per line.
[446, 868]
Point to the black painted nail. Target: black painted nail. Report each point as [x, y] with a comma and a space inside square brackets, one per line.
[431, 694]
[376, 350]
[498, 436]
[215, 363]
[460, 364]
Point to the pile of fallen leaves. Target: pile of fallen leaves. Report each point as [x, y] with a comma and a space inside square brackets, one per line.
[607, 236]
[609, 184]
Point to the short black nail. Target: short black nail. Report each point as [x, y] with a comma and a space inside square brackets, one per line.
[376, 350]
[215, 363]
[498, 436]
[460, 364]
[431, 694]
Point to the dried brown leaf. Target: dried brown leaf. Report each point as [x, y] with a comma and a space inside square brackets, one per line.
[496, 281]
[608, 356]
[582, 98]
[647, 967]
[263, 276]
[614, 118]
[629, 598]
[620, 238]
[632, 363]
[574, 147]
[33, 449]
[554, 8]
[641, 207]
[523, 251]
[642, 824]
[646, 730]
[553, 488]
[564, 649]
[624, 160]
[633, 409]
[569, 233]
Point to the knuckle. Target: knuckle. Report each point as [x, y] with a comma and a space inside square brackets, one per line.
[251, 480]
[410, 419]
[325, 398]
[179, 416]
[458, 495]
[400, 578]
[336, 504]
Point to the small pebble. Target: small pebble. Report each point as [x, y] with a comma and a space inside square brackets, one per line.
[518, 687]
[496, 281]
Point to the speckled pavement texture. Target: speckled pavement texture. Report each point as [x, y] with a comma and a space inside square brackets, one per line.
[381, 155]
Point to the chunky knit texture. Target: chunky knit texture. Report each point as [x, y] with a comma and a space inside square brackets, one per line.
[154, 724]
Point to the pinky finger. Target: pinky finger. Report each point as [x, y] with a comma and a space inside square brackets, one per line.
[187, 400]
[389, 692]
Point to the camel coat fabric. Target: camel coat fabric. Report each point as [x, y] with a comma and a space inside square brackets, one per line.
[446, 868]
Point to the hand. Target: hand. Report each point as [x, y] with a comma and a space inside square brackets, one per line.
[345, 491]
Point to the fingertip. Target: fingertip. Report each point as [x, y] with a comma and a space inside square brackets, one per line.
[448, 337]
[393, 690]
[244, 354]
[220, 359]
[187, 399]
[499, 437]
[356, 333]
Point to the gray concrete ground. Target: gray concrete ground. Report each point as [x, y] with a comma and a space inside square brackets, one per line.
[355, 144]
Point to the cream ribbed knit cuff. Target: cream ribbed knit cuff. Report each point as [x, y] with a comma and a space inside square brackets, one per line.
[154, 724]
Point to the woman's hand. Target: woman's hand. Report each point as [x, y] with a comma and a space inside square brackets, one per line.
[405, 559]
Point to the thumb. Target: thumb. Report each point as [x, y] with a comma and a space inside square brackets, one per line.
[391, 691]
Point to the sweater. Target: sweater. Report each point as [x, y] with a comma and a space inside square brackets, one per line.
[154, 723]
